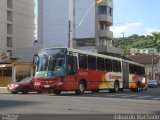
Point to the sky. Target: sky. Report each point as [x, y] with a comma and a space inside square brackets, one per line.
[140, 17]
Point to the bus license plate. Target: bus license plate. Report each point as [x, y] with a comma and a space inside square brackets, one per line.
[46, 86]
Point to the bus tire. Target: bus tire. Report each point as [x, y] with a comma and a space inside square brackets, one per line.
[121, 89]
[116, 87]
[50, 91]
[138, 89]
[15, 92]
[56, 92]
[81, 88]
[111, 90]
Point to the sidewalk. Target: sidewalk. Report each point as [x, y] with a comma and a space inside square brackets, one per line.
[3, 90]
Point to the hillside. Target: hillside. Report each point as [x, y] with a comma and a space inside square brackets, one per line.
[136, 41]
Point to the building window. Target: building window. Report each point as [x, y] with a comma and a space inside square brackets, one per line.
[9, 28]
[9, 42]
[102, 9]
[109, 11]
[9, 15]
[9, 4]
[6, 72]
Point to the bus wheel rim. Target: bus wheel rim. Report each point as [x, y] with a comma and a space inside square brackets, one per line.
[81, 87]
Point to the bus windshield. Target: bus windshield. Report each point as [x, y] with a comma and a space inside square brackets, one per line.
[51, 63]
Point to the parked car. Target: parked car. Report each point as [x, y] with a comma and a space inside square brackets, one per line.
[25, 86]
[153, 83]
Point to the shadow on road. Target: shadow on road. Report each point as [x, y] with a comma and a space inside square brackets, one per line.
[151, 94]
[14, 103]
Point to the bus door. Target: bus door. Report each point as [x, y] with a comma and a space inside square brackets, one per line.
[71, 69]
[125, 70]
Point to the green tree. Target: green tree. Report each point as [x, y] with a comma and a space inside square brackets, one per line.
[156, 39]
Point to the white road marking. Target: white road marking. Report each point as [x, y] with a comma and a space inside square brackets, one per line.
[130, 96]
[156, 98]
[141, 97]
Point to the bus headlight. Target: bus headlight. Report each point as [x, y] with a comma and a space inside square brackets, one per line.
[37, 83]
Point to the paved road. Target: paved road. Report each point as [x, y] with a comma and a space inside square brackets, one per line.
[151, 94]
[69, 103]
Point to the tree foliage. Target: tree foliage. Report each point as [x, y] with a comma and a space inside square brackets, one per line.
[136, 41]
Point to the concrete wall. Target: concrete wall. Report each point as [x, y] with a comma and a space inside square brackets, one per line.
[87, 28]
[3, 27]
[23, 23]
[53, 21]
[25, 54]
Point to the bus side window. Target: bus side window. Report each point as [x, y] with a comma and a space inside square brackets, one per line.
[115, 66]
[91, 62]
[132, 69]
[100, 64]
[108, 64]
[72, 65]
[82, 61]
[143, 71]
[119, 65]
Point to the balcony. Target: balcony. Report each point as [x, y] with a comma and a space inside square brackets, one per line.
[104, 49]
[105, 34]
[106, 18]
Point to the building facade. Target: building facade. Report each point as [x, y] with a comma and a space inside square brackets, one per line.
[16, 24]
[91, 26]
[149, 51]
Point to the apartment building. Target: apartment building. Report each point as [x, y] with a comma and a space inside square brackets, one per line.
[91, 26]
[16, 24]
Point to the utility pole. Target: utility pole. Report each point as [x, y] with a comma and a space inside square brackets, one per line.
[152, 65]
[123, 34]
[69, 34]
[74, 24]
[71, 23]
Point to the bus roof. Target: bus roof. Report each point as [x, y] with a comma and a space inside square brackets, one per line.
[101, 55]
[95, 54]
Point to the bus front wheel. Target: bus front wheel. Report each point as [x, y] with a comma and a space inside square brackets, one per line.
[81, 88]
[57, 92]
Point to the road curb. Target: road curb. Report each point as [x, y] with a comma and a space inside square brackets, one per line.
[3, 90]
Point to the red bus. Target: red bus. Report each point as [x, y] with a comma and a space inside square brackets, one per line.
[66, 69]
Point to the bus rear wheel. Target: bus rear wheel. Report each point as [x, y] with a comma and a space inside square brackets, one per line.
[81, 88]
[116, 88]
[138, 89]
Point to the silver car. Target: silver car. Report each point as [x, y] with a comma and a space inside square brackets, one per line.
[153, 83]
